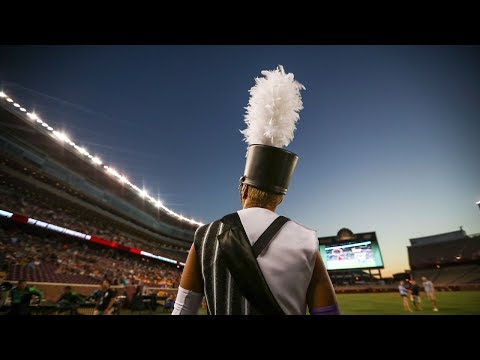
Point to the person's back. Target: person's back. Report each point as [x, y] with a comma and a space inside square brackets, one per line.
[287, 264]
[415, 289]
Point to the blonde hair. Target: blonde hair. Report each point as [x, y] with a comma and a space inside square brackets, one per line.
[259, 198]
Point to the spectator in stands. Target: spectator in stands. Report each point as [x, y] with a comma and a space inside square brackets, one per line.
[430, 291]
[222, 264]
[169, 302]
[69, 301]
[404, 294]
[95, 295]
[415, 291]
[22, 296]
[151, 300]
[106, 301]
[137, 303]
[3, 258]
[5, 287]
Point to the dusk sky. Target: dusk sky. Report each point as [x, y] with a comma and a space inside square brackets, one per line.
[388, 140]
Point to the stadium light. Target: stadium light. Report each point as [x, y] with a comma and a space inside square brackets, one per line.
[112, 171]
[82, 150]
[61, 136]
[151, 199]
[32, 116]
[96, 160]
[135, 187]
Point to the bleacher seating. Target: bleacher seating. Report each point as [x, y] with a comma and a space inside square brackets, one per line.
[19, 197]
[447, 263]
[451, 275]
[47, 273]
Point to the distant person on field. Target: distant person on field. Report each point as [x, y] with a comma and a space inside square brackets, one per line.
[430, 291]
[21, 297]
[106, 301]
[404, 294]
[69, 301]
[415, 291]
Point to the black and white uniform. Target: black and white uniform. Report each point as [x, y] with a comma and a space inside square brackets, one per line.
[287, 264]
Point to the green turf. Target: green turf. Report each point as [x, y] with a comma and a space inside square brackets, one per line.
[449, 303]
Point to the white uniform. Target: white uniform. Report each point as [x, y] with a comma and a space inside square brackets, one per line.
[287, 264]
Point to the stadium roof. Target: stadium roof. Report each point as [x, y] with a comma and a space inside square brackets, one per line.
[433, 239]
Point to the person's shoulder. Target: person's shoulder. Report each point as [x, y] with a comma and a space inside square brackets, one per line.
[202, 229]
[206, 226]
[302, 227]
[304, 235]
[307, 234]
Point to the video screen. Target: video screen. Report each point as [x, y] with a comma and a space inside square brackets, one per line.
[350, 255]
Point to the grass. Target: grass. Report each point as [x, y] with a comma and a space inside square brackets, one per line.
[449, 303]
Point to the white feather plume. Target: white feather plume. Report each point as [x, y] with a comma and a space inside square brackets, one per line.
[273, 109]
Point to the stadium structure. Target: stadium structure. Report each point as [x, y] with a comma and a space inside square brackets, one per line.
[53, 190]
[448, 259]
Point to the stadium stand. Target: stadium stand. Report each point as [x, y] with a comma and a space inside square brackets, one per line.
[43, 178]
[42, 205]
[39, 255]
[447, 259]
[26, 190]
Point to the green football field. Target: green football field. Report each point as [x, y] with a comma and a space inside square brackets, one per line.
[449, 303]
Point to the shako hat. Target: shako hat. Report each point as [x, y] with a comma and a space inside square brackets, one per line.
[272, 112]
